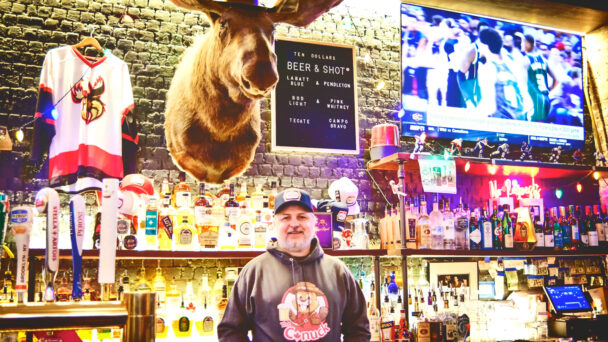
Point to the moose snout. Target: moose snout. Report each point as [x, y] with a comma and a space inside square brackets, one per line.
[259, 78]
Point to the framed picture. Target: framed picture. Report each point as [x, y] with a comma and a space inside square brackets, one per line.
[454, 274]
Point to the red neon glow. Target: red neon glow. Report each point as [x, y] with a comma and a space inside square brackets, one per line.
[512, 188]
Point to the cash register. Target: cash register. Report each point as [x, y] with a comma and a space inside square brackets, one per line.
[573, 314]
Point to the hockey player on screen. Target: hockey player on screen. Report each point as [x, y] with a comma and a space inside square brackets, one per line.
[501, 151]
[555, 154]
[481, 146]
[526, 151]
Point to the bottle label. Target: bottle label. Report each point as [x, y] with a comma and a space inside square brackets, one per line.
[184, 324]
[540, 240]
[449, 232]
[151, 222]
[208, 324]
[508, 240]
[549, 240]
[208, 236]
[129, 242]
[600, 232]
[167, 226]
[374, 328]
[122, 226]
[558, 239]
[585, 239]
[185, 236]
[475, 236]
[245, 228]
[182, 199]
[593, 239]
[575, 232]
[425, 236]
[160, 325]
[199, 215]
[411, 230]
[232, 214]
[487, 235]
[462, 224]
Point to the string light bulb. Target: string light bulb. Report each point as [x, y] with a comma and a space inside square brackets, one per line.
[367, 58]
[467, 167]
[493, 169]
[380, 85]
[579, 187]
[19, 135]
[596, 175]
[558, 193]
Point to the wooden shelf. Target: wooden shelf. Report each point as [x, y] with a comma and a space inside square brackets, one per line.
[211, 254]
[482, 166]
[494, 253]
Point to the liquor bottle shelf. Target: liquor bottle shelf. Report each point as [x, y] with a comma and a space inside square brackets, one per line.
[212, 254]
[483, 166]
[494, 253]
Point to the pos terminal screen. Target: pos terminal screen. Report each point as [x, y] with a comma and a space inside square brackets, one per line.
[567, 298]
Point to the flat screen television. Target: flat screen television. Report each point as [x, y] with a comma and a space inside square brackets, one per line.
[567, 298]
[471, 77]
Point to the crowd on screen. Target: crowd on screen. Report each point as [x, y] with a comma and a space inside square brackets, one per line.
[496, 69]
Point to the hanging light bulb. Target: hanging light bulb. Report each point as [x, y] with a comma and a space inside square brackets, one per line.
[126, 19]
[467, 167]
[380, 85]
[579, 187]
[558, 193]
[19, 135]
[596, 175]
[401, 113]
[493, 169]
[367, 58]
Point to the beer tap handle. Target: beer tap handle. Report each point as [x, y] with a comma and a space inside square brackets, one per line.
[47, 200]
[77, 216]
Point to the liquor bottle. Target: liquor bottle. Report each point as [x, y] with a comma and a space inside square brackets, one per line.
[125, 281]
[151, 225]
[374, 318]
[159, 285]
[273, 194]
[573, 221]
[184, 236]
[189, 298]
[599, 226]
[142, 284]
[161, 326]
[497, 242]
[382, 229]
[462, 223]
[165, 191]
[257, 198]
[217, 288]
[206, 222]
[260, 231]
[388, 224]
[97, 232]
[7, 287]
[242, 193]
[564, 222]
[201, 205]
[182, 324]
[172, 298]
[584, 227]
[548, 231]
[221, 304]
[396, 227]
[605, 224]
[204, 322]
[558, 239]
[181, 193]
[476, 236]
[423, 226]
[507, 228]
[411, 218]
[387, 321]
[449, 227]
[591, 229]
[165, 225]
[223, 194]
[231, 208]
[538, 230]
[437, 225]
[64, 291]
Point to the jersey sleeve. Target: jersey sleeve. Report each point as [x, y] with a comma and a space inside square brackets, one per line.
[130, 136]
[44, 121]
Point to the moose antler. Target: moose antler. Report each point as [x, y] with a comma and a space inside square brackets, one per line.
[301, 13]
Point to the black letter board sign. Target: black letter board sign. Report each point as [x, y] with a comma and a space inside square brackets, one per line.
[314, 106]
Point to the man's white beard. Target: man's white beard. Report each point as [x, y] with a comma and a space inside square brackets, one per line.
[292, 245]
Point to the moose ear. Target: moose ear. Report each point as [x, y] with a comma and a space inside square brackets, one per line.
[300, 12]
[212, 16]
[207, 6]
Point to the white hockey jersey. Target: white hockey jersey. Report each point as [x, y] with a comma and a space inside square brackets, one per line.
[83, 118]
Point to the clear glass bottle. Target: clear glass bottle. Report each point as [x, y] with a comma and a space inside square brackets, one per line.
[159, 285]
[373, 316]
[260, 231]
[182, 193]
[449, 231]
[437, 226]
[462, 222]
[423, 226]
[184, 236]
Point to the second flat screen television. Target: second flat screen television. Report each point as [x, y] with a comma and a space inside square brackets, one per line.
[473, 77]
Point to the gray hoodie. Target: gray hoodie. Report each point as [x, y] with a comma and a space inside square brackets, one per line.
[282, 298]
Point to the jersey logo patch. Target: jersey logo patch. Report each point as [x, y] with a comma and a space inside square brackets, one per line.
[302, 313]
[90, 97]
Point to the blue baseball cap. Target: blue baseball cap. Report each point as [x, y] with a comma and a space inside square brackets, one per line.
[292, 196]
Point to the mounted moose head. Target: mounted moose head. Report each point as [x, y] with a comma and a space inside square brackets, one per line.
[212, 123]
